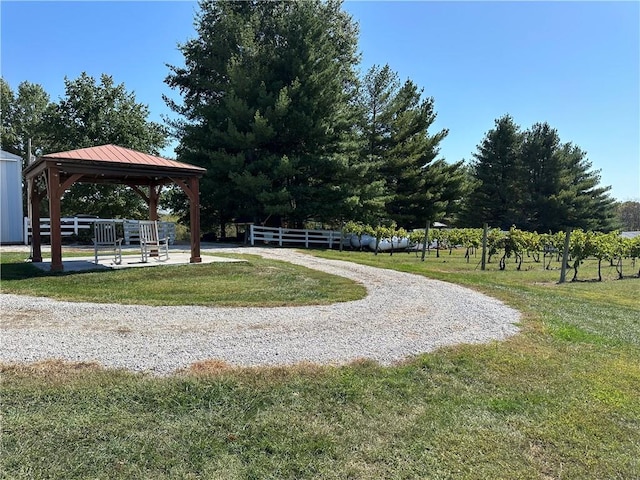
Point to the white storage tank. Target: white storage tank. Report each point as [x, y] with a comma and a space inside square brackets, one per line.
[11, 212]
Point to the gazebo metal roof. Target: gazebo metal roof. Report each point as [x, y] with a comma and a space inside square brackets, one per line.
[113, 164]
[108, 164]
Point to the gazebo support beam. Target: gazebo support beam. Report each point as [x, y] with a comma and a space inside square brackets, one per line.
[192, 190]
[154, 198]
[54, 216]
[36, 197]
[152, 201]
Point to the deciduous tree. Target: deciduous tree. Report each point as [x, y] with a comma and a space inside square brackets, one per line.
[91, 114]
[628, 214]
[23, 118]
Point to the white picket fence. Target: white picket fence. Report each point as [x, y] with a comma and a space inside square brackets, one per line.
[281, 236]
[75, 225]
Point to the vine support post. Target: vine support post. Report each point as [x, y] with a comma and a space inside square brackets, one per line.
[485, 230]
[426, 240]
[565, 256]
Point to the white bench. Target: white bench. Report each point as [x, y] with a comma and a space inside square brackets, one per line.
[105, 235]
[150, 242]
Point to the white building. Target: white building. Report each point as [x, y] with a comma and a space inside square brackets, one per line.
[11, 212]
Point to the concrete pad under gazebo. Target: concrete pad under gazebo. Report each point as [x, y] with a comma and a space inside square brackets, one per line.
[85, 264]
[107, 164]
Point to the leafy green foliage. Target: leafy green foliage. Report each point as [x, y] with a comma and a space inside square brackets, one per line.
[519, 244]
[91, 114]
[23, 118]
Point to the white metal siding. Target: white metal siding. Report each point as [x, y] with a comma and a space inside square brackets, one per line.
[11, 213]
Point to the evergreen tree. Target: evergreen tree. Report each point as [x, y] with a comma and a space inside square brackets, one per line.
[266, 93]
[401, 152]
[588, 205]
[536, 182]
[378, 90]
[542, 181]
[497, 168]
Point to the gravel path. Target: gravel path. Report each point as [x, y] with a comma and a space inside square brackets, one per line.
[402, 315]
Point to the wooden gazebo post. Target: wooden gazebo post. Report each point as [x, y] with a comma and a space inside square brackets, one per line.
[194, 219]
[36, 197]
[192, 189]
[54, 216]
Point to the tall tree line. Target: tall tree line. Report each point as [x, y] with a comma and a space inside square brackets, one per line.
[275, 111]
[275, 108]
[533, 180]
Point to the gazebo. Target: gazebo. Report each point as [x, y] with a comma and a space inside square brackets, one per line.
[107, 164]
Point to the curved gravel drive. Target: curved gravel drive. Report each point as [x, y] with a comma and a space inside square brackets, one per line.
[402, 315]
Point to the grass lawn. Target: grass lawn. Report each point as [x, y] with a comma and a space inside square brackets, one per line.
[559, 401]
[252, 283]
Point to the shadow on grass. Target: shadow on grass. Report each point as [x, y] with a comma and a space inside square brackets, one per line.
[25, 271]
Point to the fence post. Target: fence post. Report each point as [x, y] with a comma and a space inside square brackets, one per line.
[426, 240]
[280, 236]
[565, 256]
[306, 238]
[485, 229]
[251, 238]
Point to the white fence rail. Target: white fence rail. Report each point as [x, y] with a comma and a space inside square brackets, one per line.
[75, 225]
[281, 236]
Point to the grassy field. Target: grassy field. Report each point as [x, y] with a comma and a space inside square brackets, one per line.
[559, 401]
[256, 281]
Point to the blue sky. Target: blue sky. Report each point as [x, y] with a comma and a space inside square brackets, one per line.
[575, 65]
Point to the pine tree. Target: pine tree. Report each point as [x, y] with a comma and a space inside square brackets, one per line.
[542, 179]
[561, 190]
[498, 170]
[266, 91]
[536, 182]
[401, 152]
[588, 205]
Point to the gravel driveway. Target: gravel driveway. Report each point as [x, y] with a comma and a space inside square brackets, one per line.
[402, 315]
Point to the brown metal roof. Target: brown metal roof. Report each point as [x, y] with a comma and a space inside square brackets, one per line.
[120, 155]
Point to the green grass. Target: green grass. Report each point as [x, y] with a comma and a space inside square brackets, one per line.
[561, 400]
[256, 281]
